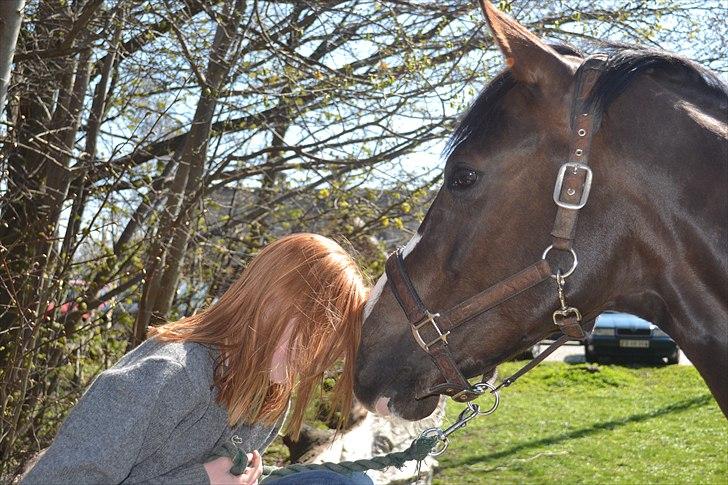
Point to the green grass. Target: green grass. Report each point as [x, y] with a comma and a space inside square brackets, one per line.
[566, 423]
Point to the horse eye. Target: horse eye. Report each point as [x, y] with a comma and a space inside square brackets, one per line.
[462, 178]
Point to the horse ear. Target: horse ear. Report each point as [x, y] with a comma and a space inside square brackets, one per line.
[530, 60]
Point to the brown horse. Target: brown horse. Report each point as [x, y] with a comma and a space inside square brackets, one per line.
[650, 241]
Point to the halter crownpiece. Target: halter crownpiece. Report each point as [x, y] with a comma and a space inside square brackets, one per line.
[571, 192]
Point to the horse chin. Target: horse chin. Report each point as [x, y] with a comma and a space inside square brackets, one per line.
[490, 375]
[413, 409]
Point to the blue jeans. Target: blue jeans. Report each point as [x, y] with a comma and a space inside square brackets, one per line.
[323, 477]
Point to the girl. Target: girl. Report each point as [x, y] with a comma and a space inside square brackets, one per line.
[224, 374]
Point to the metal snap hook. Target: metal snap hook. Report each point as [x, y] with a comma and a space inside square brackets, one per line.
[471, 411]
[442, 443]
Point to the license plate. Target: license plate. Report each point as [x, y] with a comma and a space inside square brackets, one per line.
[639, 344]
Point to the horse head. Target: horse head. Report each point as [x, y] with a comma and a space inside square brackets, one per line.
[494, 213]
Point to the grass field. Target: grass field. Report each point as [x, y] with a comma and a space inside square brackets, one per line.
[565, 423]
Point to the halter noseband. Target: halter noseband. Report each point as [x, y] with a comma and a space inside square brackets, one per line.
[573, 183]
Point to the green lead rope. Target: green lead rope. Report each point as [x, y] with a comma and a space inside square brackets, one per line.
[228, 449]
[418, 450]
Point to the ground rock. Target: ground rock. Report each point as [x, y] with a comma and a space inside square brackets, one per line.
[376, 435]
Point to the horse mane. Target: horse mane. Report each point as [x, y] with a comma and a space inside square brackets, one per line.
[624, 63]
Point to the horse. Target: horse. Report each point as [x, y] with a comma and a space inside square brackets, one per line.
[645, 139]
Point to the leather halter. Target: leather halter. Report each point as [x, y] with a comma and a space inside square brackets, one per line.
[573, 183]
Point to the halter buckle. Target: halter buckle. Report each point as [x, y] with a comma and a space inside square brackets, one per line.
[574, 167]
[429, 318]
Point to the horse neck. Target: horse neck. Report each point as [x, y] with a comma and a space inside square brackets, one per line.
[660, 180]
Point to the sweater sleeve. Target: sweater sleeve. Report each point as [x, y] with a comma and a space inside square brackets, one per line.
[102, 437]
[192, 474]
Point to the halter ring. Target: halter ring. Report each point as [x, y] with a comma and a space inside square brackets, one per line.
[482, 387]
[573, 265]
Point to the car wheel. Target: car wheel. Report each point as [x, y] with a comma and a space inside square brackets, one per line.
[535, 350]
[674, 358]
[529, 353]
[589, 356]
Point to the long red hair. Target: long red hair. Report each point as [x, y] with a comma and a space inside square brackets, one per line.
[304, 280]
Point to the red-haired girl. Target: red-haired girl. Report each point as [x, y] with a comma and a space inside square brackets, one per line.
[226, 373]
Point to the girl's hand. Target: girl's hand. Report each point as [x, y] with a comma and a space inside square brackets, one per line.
[218, 470]
[254, 469]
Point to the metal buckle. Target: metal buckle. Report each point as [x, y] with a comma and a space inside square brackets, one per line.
[429, 318]
[575, 167]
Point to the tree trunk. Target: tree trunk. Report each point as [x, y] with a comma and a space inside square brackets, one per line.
[166, 262]
[11, 16]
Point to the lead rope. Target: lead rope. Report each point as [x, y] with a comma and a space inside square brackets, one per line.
[419, 449]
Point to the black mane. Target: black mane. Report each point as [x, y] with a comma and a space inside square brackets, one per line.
[623, 64]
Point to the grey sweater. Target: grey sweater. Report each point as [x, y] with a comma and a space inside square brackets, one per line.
[152, 418]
